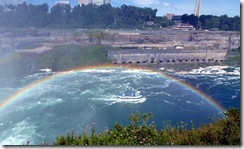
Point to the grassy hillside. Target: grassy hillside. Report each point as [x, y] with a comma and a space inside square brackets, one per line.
[70, 56]
[233, 58]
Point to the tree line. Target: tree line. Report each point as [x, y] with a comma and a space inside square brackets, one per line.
[222, 22]
[63, 16]
[104, 16]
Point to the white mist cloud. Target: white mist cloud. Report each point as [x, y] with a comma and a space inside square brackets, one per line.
[146, 3]
[3, 2]
[166, 4]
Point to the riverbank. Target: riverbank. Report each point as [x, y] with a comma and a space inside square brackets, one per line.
[67, 57]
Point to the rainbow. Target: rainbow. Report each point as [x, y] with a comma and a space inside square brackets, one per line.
[7, 58]
[17, 95]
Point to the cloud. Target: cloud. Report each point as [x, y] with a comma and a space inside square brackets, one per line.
[3, 2]
[145, 2]
[166, 4]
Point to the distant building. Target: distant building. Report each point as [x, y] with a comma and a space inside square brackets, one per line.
[62, 3]
[85, 2]
[95, 2]
[170, 16]
[182, 26]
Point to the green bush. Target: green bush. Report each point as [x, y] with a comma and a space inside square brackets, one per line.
[222, 132]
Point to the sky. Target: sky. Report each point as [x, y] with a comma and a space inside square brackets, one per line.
[178, 7]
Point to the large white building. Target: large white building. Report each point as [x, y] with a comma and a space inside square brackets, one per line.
[85, 2]
[95, 2]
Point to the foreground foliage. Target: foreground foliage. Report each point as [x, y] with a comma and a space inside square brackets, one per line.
[221, 132]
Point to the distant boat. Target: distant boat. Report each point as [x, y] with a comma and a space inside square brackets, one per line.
[45, 70]
[129, 96]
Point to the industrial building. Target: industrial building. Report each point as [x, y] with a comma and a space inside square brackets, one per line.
[157, 56]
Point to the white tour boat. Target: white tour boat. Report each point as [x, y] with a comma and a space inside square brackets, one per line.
[129, 96]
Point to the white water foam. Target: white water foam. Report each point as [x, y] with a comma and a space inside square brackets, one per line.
[45, 102]
[132, 71]
[190, 102]
[99, 71]
[216, 70]
[188, 110]
[19, 134]
[51, 101]
[166, 101]
[86, 92]
[161, 93]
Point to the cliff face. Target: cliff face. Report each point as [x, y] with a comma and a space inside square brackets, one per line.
[40, 40]
[169, 39]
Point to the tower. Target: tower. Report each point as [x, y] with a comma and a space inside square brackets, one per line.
[197, 8]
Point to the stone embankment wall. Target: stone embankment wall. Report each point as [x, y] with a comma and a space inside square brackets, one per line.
[166, 56]
[40, 40]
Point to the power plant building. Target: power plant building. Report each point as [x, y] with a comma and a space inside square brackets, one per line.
[95, 2]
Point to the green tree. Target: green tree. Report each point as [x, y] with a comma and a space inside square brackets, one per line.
[236, 21]
[165, 22]
[225, 22]
[198, 25]
[37, 15]
[190, 19]
[21, 15]
[60, 15]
